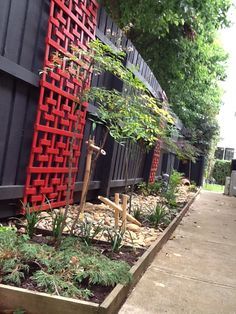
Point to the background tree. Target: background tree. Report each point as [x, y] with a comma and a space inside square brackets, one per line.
[179, 41]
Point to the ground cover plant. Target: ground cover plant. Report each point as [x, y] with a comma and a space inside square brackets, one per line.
[71, 271]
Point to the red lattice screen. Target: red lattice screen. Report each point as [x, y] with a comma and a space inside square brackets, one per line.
[70, 22]
[155, 162]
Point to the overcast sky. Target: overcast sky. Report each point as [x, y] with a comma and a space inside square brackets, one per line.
[227, 117]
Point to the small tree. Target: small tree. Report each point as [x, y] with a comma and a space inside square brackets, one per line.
[132, 113]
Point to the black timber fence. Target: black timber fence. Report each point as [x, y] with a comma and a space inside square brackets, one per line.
[23, 27]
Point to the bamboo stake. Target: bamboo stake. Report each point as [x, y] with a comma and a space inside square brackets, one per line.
[91, 149]
[117, 200]
[86, 177]
[114, 206]
[124, 213]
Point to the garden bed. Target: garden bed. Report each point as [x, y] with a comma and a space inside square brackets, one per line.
[139, 236]
[38, 302]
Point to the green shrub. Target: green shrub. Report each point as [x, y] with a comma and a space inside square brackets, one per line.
[192, 187]
[221, 170]
[174, 183]
[150, 188]
[175, 180]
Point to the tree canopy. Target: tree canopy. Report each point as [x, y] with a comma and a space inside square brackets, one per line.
[178, 39]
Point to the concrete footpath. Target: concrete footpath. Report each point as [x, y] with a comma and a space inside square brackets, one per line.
[196, 270]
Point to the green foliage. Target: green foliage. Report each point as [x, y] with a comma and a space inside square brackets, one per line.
[157, 215]
[53, 283]
[89, 230]
[150, 188]
[146, 18]
[32, 218]
[104, 272]
[132, 113]
[221, 170]
[61, 272]
[192, 187]
[115, 237]
[179, 40]
[174, 182]
[213, 187]
[57, 221]
[19, 311]
[12, 270]
[137, 213]
[8, 238]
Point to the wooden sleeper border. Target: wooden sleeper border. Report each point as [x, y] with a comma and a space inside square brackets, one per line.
[34, 302]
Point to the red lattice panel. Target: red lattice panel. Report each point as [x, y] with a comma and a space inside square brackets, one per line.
[70, 22]
[155, 162]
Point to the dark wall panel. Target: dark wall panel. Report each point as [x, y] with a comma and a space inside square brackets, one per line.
[23, 26]
[15, 30]
[7, 89]
[27, 135]
[15, 131]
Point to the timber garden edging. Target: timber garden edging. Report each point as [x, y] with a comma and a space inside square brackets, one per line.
[38, 303]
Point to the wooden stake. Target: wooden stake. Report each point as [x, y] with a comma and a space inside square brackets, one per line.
[86, 176]
[91, 149]
[114, 206]
[124, 214]
[117, 200]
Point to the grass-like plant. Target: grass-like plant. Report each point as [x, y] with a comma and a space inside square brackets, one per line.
[115, 237]
[57, 220]
[137, 213]
[89, 230]
[157, 215]
[32, 219]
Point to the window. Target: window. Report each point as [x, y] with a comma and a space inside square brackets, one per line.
[219, 154]
[229, 153]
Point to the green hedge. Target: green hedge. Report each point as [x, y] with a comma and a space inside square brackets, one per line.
[221, 170]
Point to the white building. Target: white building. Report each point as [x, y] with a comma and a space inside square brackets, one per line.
[227, 116]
